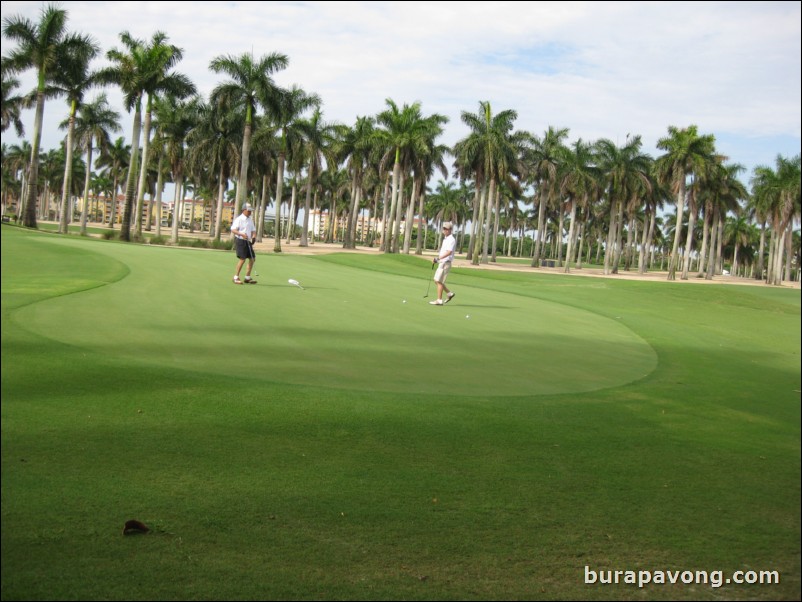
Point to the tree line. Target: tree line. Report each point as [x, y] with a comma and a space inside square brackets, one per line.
[273, 146]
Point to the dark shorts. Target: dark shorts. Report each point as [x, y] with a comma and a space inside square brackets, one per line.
[243, 249]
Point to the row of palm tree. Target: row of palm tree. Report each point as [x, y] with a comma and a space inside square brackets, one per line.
[252, 132]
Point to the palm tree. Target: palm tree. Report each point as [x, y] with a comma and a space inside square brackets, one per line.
[286, 110]
[721, 193]
[101, 185]
[687, 153]
[43, 46]
[779, 191]
[93, 124]
[177, 118]
[250, 86]
[73, 80]
[626, 173]
[130, 71]
[544, 160]
[446, 203]
[115, 159]
[11, 105]
[215, 144]
[425, 165]
[319, 137]
[159, 80]
[17, 160]
[402, 135]
[356, 145]
[737, 231]
[491, 150]
[581, 180]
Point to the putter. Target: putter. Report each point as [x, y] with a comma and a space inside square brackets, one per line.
[296, 283]
[428, 288]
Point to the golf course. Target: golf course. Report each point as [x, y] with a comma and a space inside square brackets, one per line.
[346, 440]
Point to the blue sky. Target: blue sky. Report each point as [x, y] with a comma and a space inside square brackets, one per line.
[600, 69]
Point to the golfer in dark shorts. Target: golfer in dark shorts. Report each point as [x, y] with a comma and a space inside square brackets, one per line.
[244, 232]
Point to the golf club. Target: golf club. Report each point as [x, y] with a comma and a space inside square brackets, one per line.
[296, 283]
[428, 288]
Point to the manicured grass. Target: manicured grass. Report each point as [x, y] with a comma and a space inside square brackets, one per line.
[338, 443]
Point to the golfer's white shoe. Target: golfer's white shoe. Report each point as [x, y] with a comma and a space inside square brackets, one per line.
[436, 302]
[449, 298]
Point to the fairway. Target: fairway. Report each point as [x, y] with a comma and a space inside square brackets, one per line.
[350, 328]
[336, 443]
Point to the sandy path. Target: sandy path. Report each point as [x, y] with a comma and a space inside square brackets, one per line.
[320, 248]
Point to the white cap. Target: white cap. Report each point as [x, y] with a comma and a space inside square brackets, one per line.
[247, 207]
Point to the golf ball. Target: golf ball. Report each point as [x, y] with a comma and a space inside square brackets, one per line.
[404, 301]
[468, 316]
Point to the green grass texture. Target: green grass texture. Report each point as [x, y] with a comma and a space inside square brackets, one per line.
[350, 441]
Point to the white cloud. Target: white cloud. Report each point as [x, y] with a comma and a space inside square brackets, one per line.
[602, 69]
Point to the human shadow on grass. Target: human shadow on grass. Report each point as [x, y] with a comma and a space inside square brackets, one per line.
[455, 304]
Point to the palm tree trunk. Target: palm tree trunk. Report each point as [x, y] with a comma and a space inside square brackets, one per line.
[65, 194]
[720, 245]
[245, 161]
[390, 229]
[778, 257]
[476, 241]
[496, 217]
[689, 239]
[581, 236]
[159, 192]
[262, 208]
[541, 215]
[279, 193]
[672, 261]
[353, 215]
[179, 185]
[307, 207]
[560, 226]
[705, 236]
[760, 265]
[711, 261]
[398, 211]
[571, 232]
[646, 242]
[609, 250]
[488, 216]
[383, 245]
[29, 217]
[618, 244]
[130, 187]
[221, 191]
[113, 208]
[789, 234]
[291, 214]
[410, 216]
[632, 237]
[86, 187]
[474, 221]
[143, 172]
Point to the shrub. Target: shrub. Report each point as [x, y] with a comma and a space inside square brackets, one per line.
[224, 245]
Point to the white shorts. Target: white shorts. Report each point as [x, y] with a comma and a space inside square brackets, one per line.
[442, 272]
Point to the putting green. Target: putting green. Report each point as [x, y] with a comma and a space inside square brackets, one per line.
[349, 329]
